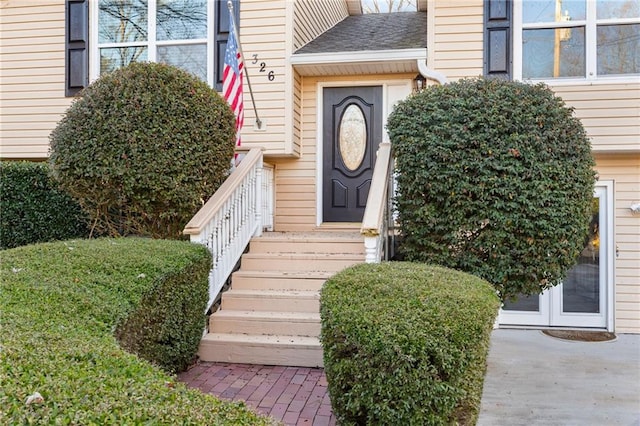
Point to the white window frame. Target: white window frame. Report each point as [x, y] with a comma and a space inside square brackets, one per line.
[151, 44]
[591, 60]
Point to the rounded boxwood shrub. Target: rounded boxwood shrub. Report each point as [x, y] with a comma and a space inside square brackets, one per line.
[494, 178]
[143, 148]
[406, 343]
[33, 208]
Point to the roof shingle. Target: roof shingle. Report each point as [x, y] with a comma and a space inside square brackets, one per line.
[374, 31]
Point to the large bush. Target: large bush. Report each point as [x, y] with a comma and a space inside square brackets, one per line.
[33, 209]
[406, 344]
[143, 148]
[61, 303]
[494, 178]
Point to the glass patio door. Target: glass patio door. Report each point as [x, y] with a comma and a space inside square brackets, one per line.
[582, 300]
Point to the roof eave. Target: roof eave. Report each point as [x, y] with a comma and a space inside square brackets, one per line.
[358, 63]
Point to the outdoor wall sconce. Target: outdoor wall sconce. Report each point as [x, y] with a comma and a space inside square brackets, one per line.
[419, 83]
[635, 208]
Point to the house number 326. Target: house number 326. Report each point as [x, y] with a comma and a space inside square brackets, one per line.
[263, 68]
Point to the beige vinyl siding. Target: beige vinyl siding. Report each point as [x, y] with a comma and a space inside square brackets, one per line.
[624, 170]
[263, 32]
[31, 76]
[313, 17]
[610, 113]
[455, 43]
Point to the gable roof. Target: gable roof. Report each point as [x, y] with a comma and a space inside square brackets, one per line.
[366, 44]
[372, 31]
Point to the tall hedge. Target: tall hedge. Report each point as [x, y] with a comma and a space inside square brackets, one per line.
[143, 148]
[33, 209]
[494, 178]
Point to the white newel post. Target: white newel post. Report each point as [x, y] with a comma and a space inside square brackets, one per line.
[371, 249]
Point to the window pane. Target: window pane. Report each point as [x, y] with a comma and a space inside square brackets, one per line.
[611, 9]
[552, 53]
[122, 21]
[618, 49]
[546, 10]
[181, 19]
[191, 58]
[114, 58]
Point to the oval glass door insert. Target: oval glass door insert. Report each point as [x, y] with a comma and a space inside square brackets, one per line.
[353, 137]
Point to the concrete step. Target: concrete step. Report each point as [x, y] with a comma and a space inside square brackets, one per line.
[298, 262]
[279, 280]
[329, 243]
[295, 351]
[271, 300]
[264, 322]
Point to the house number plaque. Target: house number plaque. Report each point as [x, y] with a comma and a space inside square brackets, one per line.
[271, 76]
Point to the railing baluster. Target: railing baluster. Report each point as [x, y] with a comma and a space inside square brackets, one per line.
[234, 214]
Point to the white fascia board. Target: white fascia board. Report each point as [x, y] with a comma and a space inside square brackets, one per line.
[360, 56]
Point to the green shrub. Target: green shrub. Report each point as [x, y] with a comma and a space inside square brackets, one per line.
[495, 178]
[406, 343]
[61, 303]
[143, 148]
[33, 209]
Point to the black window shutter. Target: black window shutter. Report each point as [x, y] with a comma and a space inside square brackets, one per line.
[222, 35]
[76, 46]
[497, 39]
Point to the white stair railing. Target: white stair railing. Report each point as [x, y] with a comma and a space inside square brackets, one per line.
[232, 216]
[378, 221]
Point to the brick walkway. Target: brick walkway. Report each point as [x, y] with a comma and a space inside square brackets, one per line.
[293, 395]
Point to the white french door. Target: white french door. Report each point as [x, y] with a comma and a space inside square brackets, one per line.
[585, 297]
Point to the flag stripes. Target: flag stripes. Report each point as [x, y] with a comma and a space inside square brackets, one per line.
[232, 79]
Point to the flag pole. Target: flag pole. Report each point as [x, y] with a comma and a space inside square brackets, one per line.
[246, 72]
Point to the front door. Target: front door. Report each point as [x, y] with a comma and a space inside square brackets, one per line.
[352, 131]
[582, 300]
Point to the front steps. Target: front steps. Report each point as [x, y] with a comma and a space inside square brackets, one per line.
[271, 314]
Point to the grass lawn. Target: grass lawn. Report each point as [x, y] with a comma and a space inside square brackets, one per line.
[61, 305]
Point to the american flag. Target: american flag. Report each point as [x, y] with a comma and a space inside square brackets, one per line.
[232, 78]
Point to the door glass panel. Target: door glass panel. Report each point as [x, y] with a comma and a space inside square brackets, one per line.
[353, 137]
[581, 288]
[523, 303]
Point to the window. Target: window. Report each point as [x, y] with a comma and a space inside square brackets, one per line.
[168, 31]
[576, 39]
[114, 33]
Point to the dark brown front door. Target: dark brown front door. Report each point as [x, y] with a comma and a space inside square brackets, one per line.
[352, 120]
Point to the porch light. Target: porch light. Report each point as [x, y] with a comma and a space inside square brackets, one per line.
[419, 83]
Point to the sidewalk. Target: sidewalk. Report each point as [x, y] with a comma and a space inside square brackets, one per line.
[534, 379]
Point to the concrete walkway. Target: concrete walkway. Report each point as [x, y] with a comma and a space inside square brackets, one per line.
[534, 379]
